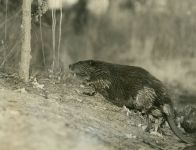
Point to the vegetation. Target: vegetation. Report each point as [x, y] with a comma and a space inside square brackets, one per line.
[128, 32]
[50, 113]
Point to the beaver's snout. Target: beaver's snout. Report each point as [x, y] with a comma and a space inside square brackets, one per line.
[73, 68]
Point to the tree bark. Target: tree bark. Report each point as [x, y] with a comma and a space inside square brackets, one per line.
[26, 41]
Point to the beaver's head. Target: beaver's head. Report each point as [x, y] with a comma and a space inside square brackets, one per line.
[89, 69]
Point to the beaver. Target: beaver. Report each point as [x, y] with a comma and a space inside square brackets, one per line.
[130, 86]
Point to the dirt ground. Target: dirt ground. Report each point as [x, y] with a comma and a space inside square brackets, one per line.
[48, 114]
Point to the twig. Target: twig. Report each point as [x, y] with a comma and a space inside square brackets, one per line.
[53, 36]
[6, 8]
[42, 43]
[59, 42]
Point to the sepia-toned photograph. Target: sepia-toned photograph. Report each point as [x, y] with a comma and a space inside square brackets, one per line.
[97, 75]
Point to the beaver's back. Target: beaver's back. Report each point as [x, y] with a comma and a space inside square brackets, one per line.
[131, 79]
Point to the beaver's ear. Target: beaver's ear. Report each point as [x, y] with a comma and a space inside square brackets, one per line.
[92, 62]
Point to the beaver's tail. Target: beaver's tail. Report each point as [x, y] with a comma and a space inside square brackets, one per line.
[179, 133]
[167, 109]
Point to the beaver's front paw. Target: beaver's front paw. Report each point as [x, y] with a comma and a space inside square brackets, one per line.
[87, 90]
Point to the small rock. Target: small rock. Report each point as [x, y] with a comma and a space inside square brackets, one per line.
[37, 85]
[126, 110]
[131, 136]
[144, 127]
[82, 86]
[79, 100]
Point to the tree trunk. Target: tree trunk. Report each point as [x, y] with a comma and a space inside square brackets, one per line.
[26, 41]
